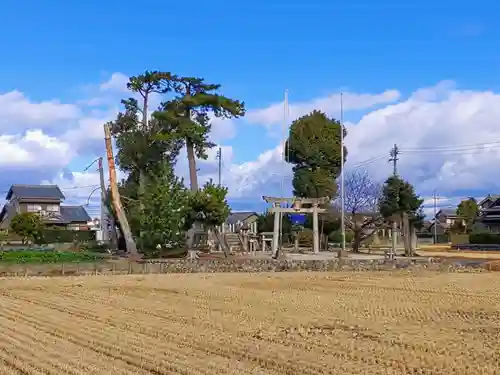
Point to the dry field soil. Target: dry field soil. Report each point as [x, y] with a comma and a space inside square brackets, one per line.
[286, 323]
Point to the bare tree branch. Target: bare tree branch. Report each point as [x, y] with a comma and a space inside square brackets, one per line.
[361, 199]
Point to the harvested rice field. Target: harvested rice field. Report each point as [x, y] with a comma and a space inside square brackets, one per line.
[281, 323]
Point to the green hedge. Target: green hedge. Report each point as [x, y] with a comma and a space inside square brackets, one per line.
[336, 236]
[58, 236]
[485, 238]
[66, 236]
[29, 256]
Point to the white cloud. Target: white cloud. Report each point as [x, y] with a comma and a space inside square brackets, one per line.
[430, 120]
[274, 114]
[117, 82]
[426, 127]
[222, 129]
[33, 148]
[18, 112]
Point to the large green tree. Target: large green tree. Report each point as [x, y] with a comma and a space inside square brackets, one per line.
[188, 112]
[468, 211]
[140, 152]
[265, 223]
[313, 147]
[165, 203]
[136, 129]
[207, 206]
[400, 203]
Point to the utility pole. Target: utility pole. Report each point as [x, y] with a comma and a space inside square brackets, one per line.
[219, 158]
[103, 209]
[108, 225]
[104, 216]
[435, 219]
[394, 159]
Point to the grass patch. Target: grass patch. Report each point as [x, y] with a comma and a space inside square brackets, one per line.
[30, 256]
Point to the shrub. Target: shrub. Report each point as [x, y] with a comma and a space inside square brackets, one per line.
[95, 247]
[485, 238]
[336, 236]
[28, 226]
[306, 238]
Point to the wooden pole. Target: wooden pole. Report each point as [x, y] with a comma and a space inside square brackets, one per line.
[115, 197]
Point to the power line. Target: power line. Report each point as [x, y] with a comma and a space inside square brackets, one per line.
[457, 147]
[465, 149]
[368, 161]
[447, 152]
[80, 187]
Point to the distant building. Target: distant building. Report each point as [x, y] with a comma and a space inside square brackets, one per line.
[44, 200]
[238, 219]
[445, 220]
[489, 214]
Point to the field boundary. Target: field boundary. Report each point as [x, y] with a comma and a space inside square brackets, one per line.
[224, 266]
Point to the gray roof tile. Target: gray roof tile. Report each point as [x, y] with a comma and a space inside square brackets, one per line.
[449, 211]
[239, 216]
[35, 191]
[75, 214]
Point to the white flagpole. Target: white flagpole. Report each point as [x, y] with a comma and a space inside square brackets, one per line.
[285, 122]
[342, 196]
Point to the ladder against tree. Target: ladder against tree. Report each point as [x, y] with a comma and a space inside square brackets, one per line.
[297, 207]
[221, 241]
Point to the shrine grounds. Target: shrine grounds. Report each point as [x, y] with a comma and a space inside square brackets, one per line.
[370, 322]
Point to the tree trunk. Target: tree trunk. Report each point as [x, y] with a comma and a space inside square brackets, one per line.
[356, 243]
[141, 192]
[142, 172]
[115, 196]
[193, 174]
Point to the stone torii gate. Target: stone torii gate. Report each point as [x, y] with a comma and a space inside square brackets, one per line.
[296, 208]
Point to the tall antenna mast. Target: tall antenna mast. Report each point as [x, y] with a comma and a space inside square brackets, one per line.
[219, 158]
[342, 195]
[285, 125]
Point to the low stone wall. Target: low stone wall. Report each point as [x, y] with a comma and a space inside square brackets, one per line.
[230, 265]
[265, 265]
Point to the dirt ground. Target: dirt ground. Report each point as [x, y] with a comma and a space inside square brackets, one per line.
[286, 323]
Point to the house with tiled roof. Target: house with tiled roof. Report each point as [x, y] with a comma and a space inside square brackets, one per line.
[46, 201]
[239, 219]
[445, 219]
[489, 214]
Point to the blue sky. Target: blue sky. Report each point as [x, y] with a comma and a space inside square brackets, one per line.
[55, 50]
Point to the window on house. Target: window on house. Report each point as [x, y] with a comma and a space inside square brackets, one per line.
[52, 208]
[33, 207]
